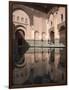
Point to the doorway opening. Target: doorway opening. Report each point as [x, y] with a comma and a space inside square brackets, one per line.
[62, 35]
[52, 36]
[20, 37]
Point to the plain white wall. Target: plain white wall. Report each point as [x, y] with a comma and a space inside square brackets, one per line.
[4, 46]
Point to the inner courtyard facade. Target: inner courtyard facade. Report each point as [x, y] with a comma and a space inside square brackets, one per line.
[34, 24]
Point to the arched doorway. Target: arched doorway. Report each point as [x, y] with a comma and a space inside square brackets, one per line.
[62, 35]
[43, 36]
[20, 41]
[52, 36]
[36, 35]
[20, 37]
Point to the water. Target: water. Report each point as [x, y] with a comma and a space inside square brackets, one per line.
[40, 66]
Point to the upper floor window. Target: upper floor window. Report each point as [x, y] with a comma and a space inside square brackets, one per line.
[61, 17]
[22, 19]
[51, 23]
[26, 20]
[13, 17]
[17, 18]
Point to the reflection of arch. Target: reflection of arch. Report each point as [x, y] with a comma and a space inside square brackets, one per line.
[62, 32]
[36, 35]
[52, 56]
[52, 36]
[36, 56]
[21, 62]
[43, 35]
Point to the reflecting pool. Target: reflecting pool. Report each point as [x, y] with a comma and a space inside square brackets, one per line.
[40, 66]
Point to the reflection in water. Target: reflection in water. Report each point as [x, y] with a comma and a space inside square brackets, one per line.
[41, 65]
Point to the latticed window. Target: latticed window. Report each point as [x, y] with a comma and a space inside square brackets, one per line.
[22, 19]
[61, 17]
[51, 23]
[26, 20]
[17, 17]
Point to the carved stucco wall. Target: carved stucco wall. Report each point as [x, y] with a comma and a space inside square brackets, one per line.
[38, 21]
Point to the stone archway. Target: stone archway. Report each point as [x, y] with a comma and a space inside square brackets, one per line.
[20, 37]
